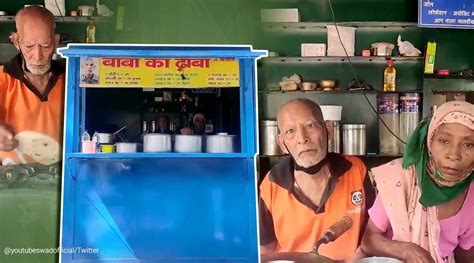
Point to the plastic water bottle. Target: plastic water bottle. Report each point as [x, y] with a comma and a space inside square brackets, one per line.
[85, 136]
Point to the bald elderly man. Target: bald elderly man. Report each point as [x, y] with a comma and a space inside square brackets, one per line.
[310, 189]
[31, 88]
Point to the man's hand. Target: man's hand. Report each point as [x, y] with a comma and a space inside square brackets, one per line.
[415, 254]
[7, 143]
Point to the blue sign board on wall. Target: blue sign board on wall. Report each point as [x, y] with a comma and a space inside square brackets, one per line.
[446, 13]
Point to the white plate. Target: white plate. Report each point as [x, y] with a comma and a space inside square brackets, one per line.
[379, 260]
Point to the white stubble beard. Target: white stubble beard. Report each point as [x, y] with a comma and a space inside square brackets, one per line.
[38, 71]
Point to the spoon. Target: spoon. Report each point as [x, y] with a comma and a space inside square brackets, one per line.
[119, 130]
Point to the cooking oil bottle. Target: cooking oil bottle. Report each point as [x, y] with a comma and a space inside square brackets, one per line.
[90, 32]
[389, 76]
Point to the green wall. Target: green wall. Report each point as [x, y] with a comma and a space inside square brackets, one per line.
[190, 22]
[350, 10]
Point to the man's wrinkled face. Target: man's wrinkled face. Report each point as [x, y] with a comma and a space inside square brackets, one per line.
[37, 42]
[303, 134]
[452, 149]
[89, 67]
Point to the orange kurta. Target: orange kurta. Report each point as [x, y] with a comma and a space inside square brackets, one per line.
[297, 226]
[26, 110]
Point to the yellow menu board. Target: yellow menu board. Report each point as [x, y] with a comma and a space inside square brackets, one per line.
[159, 72]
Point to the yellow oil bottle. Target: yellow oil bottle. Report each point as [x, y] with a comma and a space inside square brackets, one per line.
[389, 76]
[90, 32]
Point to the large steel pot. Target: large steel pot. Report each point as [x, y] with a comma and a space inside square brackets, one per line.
[295, 257]
[268, 138]
[220, 143]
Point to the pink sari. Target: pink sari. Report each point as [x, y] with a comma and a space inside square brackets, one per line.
[410, 221]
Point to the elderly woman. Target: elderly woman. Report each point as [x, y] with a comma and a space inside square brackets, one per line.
[423, 211]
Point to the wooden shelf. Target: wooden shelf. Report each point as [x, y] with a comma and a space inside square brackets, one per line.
[340, 59]
[321, 91]
[451, 77]
[340, 91]
[67, 19]
[351, 24]
[449, 84]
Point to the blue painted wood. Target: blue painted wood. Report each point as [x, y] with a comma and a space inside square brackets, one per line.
[73, 50]
[160, 207]
[156, 155]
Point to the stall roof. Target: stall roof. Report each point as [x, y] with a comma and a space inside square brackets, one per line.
[182, 51]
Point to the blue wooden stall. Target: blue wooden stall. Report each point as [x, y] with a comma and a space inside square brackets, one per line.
[159, 207]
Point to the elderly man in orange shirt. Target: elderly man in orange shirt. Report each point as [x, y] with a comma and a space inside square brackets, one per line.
[310, 189]
[32, 93]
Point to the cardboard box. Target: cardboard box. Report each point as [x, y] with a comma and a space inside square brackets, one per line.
[430, 57]
[280, 15]
[313, 50]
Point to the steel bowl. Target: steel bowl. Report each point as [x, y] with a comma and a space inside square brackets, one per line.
[327, 84]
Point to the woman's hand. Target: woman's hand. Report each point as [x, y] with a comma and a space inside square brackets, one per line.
[412, 253]
[374, 243]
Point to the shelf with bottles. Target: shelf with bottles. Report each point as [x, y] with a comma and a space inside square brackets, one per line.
[272, 71]
[174, 100]
[286, 38]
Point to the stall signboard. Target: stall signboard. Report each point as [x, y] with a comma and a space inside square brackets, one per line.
[446, 13]
[120, 72]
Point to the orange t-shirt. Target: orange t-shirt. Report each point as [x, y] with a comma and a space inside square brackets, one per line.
[26, 110]
[291, 220]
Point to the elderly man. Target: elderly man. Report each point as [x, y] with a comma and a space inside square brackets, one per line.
[31, 121]
[32, 92]
[198, 127]
[311, 189]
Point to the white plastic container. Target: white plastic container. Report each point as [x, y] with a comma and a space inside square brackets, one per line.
[379, 260]
[126, 147]
[188, 143]
[220, 143]
[331, 112]
[156, 142]
[103, 138]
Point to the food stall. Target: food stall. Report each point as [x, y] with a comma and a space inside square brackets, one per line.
[167, 204]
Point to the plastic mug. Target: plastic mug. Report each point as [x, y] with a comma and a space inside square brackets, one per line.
[107, 148]
[88, 146]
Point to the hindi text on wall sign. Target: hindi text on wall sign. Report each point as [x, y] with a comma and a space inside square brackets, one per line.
[446, 13]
